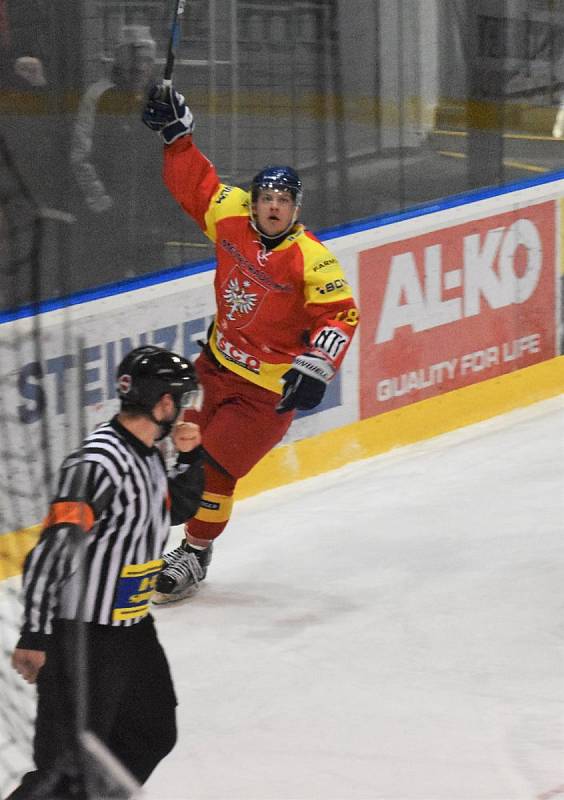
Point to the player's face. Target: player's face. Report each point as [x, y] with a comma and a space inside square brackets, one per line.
[274, 211]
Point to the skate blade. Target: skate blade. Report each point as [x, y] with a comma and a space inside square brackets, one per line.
[160, 599]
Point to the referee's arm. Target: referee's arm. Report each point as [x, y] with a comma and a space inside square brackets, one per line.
[186, 485]
[83, 491]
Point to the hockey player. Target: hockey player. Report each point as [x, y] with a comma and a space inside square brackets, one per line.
[285, 319]
[90, 578]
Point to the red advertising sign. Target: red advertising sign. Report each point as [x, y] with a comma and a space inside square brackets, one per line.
[455, 306]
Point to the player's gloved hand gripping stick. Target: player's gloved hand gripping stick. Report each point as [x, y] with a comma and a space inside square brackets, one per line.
[167, 113]
[166, 110]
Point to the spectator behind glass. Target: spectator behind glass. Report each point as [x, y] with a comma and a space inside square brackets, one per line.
[29, 70]
[114, 168]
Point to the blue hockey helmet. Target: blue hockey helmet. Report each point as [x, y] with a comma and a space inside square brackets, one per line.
[281, 178]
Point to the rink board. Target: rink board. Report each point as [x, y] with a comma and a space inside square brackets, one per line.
[405, 426]
[460, 321]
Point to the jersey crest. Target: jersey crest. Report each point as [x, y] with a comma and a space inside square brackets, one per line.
[238, 298]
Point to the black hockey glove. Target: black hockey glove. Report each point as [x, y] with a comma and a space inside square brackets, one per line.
[305, 383]
[167, 113]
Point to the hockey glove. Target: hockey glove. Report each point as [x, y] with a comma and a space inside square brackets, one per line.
[167, 113]
[305, 383]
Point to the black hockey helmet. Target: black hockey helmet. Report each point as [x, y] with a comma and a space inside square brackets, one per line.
[281, 178]
[149, 372]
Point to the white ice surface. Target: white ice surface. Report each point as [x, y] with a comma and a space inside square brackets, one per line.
[393, 630]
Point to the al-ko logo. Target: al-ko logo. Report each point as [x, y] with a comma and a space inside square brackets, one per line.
[456, 305]
[502, 267]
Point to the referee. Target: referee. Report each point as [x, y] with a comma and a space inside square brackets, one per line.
[88, 640]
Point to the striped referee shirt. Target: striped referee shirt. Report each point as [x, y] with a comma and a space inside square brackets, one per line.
[101, 545]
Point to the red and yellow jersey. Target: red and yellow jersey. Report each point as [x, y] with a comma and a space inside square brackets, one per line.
[271, 304]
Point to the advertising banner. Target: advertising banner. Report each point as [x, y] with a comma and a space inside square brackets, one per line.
[457, 305]
[447, 299]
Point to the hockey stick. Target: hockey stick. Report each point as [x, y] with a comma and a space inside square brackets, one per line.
[173, 42]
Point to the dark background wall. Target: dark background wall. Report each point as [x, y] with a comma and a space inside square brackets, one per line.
[379, 105]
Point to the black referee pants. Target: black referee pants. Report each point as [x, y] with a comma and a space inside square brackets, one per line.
[120, 689]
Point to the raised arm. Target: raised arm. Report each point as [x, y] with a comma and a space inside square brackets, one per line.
[188, 174]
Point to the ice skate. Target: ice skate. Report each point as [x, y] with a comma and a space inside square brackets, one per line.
[185, 568]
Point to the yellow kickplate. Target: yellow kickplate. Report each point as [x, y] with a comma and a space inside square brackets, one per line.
[14, 547]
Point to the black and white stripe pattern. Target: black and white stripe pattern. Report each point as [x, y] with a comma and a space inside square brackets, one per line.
[74, 574]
